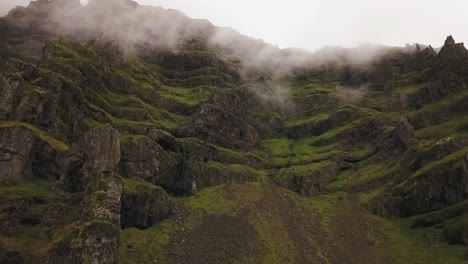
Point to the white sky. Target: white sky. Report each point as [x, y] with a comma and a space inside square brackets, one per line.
[311, 24]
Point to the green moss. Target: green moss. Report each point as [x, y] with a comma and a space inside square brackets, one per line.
[448, 162]
[304, 171]
[409, 89]
[410, 245]
[145, 246]
[287, 152]
[439, 216]
[311, 119]
[203, 200]
[26, 191]
[126, 137]
[454, 127]
[91, 123]
[327, 206]
[187, 96]
[37, 201]
[280, 147]
[54, 143]
[137, 186]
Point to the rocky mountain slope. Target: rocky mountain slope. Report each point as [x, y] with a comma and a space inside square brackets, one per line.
[123, 143]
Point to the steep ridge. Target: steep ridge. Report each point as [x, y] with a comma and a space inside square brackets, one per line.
[192, 148]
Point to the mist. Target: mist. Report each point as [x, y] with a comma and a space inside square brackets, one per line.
[131, 26]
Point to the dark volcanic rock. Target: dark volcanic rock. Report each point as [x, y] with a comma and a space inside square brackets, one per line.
[93, 159]
[101, 153]
[436, 186]
[16, 147]
[8, 91]
[96, 238]
[141, 158]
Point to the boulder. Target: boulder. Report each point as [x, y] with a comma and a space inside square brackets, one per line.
[143, 204]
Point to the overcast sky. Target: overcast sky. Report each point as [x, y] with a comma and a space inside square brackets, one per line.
[311, 24]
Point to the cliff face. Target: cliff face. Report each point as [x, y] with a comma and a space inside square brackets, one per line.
[154, 153]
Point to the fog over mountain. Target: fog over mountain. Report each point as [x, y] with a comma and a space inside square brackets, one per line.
[207, 132]
[314, 24]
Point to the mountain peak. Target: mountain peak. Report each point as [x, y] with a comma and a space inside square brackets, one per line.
[449, 41]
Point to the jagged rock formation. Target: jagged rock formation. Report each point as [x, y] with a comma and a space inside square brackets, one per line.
[403, 135]
[150, 150]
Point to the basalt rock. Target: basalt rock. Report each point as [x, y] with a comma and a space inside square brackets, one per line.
[96, 238]
[94, 158]
[16, 154]
[101, 154]
[141, 158]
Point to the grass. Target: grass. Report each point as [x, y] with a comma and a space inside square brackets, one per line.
[138, 186]
[127, 137]
[288, 152]
[34, 200]
[410, 246]
[54, 143]
[145, 246]
[449, 162]
[409, 89]
[26, 192]
[315, 118]
[188, 96]
[456, 126]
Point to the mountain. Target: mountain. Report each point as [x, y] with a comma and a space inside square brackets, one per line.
[135, 134]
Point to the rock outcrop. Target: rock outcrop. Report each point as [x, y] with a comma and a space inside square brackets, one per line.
[16, 154]
[141, 158]
[143, 204]
[404, 136]
[309, 180]
[441, 184]
[96, 238]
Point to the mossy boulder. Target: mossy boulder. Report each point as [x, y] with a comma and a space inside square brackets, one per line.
[143, 204]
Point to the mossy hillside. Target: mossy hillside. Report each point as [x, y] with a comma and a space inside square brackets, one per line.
[145, 246]
[456, 126]
[440, 216]
[367, 176]
[303, 171]
[54, 143]
[44, 213]
[288, 152]
[314, 97]
[124, 91]
[28, 48]
[411, 89]
[318, 219]
[449, 162]
[410, 245]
